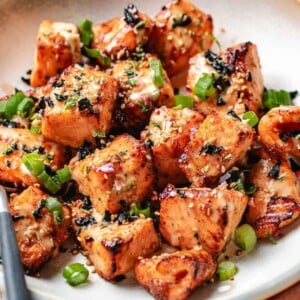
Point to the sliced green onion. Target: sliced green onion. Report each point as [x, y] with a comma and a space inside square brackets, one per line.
[157, 72]
[204, 87]
[251, 118]
[273, 98]
[75, 274]
[239, 186]
[25, 107]
[86, 32]
[2, 107]
[132, 82]
[136, 211]
[184, 101]
[70, 103]
[35, 129]
[34, 162]
[16, 104]
[13, 102]
[55, 208]
[226, 270]
[11, 105]
[50, 183]
[95, 53]
[143, 107]
[245, 237]
[63, 175]
[99, 133]
[249, 189]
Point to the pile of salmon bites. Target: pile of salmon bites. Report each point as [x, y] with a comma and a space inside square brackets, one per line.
[102, 149]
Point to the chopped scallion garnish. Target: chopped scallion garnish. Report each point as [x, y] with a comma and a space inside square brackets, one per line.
[273, 98]
[35, 129]
[251, 118]
[96, 53]
[34, 162]
[16, 104]
[184, 101]
[226, 270]
[204, 88]
[239, 186]
[136, 211]
[75, 274]
[12, 103]
[63, 175]
[50, 182]
[157, 72]
[99, 133]
[25, 107]
[55, 208]
[86, 33]
[245, 237]
[70, 103]
[143, 107]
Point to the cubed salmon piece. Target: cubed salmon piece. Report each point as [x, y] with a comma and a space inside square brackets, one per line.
[79, 106]
[121, 173]
[192, 217]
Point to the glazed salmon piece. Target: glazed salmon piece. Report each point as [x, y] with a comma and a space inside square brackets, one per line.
[79, 105]
[119, 38]
[276, 202]
[122, 172]
[39, 235]
[168, 132]
[192, 217]
[221, 141]
[238, 80]
[173, 276]
[140, 95]
[180, 31]
[15, 143]
[114, 249]
[279, 128]
[57, 47]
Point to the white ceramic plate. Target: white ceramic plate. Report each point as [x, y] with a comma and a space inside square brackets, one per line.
[273, 25]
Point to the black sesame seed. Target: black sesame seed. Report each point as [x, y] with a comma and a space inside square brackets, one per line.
[274, 172]
[84, 103]
[25, 80]
[59, 83]
[220, 101]
[48, 101]
[16, 218]
[84, 221]
[182, 21]
[211, 149]
[37, 212]
[131, 16]
[59, 97]
[87, 204]
[233, 114]
[249, 76]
